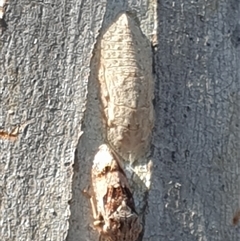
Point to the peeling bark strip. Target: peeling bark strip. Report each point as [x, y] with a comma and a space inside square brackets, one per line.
[3, 25]
[114, 212]
[8, 136]
[2, 10]
[126, 87]
[13, 135]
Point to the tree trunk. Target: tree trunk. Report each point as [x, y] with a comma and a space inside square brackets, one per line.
[49, 100]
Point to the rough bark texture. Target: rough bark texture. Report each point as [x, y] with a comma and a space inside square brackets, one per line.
[195, 183]
[47, 77]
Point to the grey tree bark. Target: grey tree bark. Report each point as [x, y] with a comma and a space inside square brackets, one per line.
[48, 87]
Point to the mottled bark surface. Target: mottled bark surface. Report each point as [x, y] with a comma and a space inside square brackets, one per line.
[47, 77]
[195, 183]
[44, 73]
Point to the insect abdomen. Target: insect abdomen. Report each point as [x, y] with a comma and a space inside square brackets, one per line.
[126, 82]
